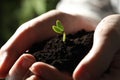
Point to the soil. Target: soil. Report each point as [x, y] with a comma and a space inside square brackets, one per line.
[65, 56]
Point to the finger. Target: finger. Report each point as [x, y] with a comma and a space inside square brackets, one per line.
[48, 72]
[26, 35]
[98, 60]
[21, 67]
[34, 77]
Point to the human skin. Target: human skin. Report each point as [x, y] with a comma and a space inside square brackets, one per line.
[105, 50]
[105, 53]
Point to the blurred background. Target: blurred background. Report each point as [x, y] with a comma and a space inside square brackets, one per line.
[15, 12]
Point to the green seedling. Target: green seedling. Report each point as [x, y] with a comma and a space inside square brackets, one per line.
[59, 28]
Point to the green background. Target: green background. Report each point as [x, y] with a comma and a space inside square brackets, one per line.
[15, 12]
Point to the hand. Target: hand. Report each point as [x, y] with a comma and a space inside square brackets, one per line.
[101, 63]
[103, 60]
[40, 71]
[34, 31]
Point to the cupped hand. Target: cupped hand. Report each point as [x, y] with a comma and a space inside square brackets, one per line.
[103, 60]
[34, 31]
[101, 63]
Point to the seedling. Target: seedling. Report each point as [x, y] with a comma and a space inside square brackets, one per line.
[59, 28]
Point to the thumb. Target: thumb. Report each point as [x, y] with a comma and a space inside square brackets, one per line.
[105, 45]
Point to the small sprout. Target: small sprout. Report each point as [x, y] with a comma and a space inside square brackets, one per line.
[58, 28]
[64, 37]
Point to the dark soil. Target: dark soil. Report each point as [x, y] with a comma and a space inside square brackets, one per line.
[65, 56]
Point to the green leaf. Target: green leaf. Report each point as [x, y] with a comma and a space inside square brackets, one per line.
[59, 24]
[57, 29]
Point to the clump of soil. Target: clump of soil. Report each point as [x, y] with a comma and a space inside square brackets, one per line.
[65, 56]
